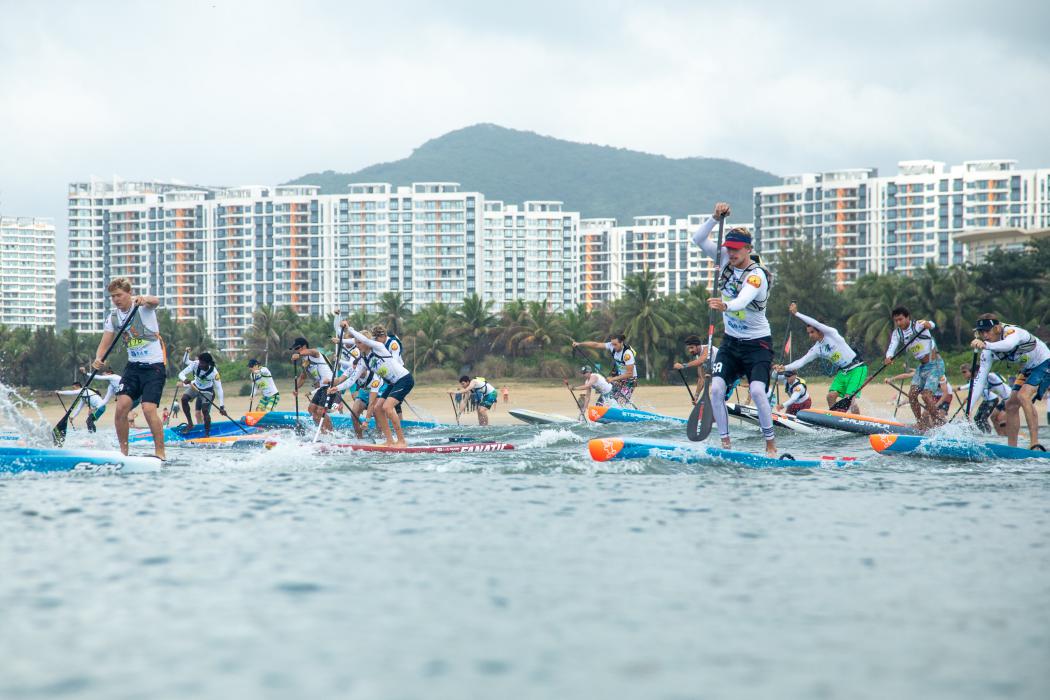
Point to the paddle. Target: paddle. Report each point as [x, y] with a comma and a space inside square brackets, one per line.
[252, 398]
[898, 403]
[579, 406]
[221, 412]
[64, 409]
[58, 434]
[335, 382]
[844, 403]
[973, 375]
[299, 429]
[455, 410]
[692, 398]
[700, 418]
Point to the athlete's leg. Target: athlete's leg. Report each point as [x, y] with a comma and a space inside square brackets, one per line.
[765, 415]
[156, 426]
[1031, 417]
[185, 401]
[120, 420]
[933, 413]
[390, 405]
[483, 416]
[913, 401]
[832, 397]
[718, 406]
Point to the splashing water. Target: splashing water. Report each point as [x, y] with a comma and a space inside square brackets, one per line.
[16, 417]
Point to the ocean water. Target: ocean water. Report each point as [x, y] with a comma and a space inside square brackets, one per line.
[536, 573]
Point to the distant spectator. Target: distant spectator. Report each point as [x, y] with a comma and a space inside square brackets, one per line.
[506, 393]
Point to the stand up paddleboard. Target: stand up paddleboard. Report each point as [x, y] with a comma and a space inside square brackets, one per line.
[232, 442]
[945, 448]
[219, 428]
[606, 449]
[615, 414]
[854, 423]
[31, 459]
[286, 419]
[780, 420]
[457, 448]
[537, 418]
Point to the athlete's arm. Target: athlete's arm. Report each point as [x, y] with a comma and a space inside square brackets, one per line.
[187, 370]
[589, 344]
[810, 321]
[891, 351]
[365, 340]
[147, 301]
[220, 397]
[984, 366]
[747, 295]
[801, 362]
[1009, 342]
[107, 340]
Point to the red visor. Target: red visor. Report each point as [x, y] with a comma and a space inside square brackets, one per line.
[734, 244]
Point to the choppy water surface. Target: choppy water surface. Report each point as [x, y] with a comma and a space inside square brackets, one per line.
[536, 573]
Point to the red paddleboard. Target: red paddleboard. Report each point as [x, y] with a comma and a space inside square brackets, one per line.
[441, 449]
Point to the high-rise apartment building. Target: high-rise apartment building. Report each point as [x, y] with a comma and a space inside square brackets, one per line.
[27, 272]
[898, 223]
[220, 253]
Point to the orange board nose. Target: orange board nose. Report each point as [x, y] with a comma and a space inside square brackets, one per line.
[595, 413]
[604, 449]
[880, 441]
[253, 417]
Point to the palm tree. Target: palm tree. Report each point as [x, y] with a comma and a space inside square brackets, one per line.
[74, 350]
[265, 334]
[393, 312]
[960, 290]
[433, 341]
[579, 322]
[474, 321]
[642, 314]
[512, 321]
[541, 329]
[872, 300]
[1024, 307]
[930, 287]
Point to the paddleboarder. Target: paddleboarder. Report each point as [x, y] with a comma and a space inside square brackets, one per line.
[594, 382]
[747, 343]
[387, 364]
[263, 383]
[366, 386]
[316, 368]
[144, 375]
[204, 385]
[918, 337]
[992, 411]
[1013, 344]
[829, 345]
[625, 377]
[797, 391]
[482, 394]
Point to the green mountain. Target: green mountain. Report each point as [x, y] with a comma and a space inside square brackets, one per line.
[597, 181]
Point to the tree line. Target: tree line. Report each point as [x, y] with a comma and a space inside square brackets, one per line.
[530, 340]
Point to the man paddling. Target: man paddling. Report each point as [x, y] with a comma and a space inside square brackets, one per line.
[366, 386]
[747, 343]
[594, 383]
[625, 376]
[1014, 344]
[203, 383]
[263, 384]
[798, 394]
[992, 411]
[480, 393]
[829, 345]
[144, 376]
[918, 337]
[315, 367]
[387, 364]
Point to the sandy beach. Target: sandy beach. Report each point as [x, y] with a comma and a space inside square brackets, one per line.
[432, 402]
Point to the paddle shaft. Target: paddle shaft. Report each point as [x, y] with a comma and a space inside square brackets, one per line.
[455, 411]
[175, 397]
[692, 398]
[973, 375]
[59, 432]
[579, 406]
[221, 412]
[251, 400]
[299, 430]
[847, 400]
[335, 382]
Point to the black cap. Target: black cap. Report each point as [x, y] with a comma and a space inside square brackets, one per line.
[252, 362]
[790, 373]
[986, 324]
[694, 340]
[299, 342]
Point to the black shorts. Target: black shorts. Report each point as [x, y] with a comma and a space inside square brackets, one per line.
[399, 389]
[320, 397]
[750, 358]
[143, 383]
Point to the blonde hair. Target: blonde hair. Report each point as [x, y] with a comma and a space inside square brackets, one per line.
[121, 283]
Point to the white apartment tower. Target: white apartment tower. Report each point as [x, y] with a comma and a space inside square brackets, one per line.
[27, 272]
[899, 223]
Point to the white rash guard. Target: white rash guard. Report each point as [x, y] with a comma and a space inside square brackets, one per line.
[1017, 346]
[745, 291]
[381, 360]
[832, 347]
[263, 381]
[921, 349]
[209, 381]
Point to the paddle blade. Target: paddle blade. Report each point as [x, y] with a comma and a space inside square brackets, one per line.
[58, 434]
[700, 418]
[842, 404]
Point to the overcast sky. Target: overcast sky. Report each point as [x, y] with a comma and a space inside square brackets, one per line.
[222, 92]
